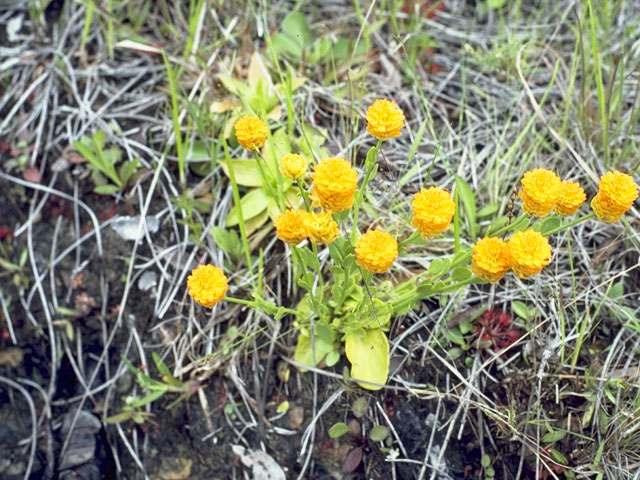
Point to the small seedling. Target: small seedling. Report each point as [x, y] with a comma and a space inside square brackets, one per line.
[102, 163]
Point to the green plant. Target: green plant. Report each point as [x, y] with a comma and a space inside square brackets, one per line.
[154, 390]
[102, 163]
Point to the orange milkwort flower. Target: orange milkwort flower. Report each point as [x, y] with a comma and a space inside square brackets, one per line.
[571, 197]
[540, 192]
[207, 285]
[433, 209]
[251, 132]
[616, 194]
[334, 184]
[490, 260]
[529, 253]
[321, 228]
[293, 166]
[290, 226]
[376, 251]
[384, 119]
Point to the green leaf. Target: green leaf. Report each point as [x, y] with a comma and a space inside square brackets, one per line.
[616, 291]
[321, 50]
[126, 170]
[469, 203]
[284, 43]
[368, 353]
[160, 365]
[553, 436]
[227, 240]
[487, 211]
[485, 461]
[436, 267]
[309, 259]
[522, 311]
[496, 4]
[275, 148]
[378, 433]
[120, 417]
[234, 86]
[333, 357]
[359, 407]
[496, 225]
[106, 189]
[338, 429]
[559, 457]
[455, 336]
[246, 171]
[461, 274]
[324, 343]
[253, 204]
[295, 26]
[549, 224]
[283, 407]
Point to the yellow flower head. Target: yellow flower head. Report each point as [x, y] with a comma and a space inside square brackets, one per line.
[433, 209]
[490, 260]
[615, 196]
[529, 253]
[540, 192]
[334, 184]
[384, 119]
[376, 251]
[293, 166]
[290, 226]
[251, 132]
[321, 228]
[571, 197]
[207, 285]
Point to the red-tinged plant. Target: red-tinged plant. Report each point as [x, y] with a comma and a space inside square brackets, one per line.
[495, 327]
[5, 232]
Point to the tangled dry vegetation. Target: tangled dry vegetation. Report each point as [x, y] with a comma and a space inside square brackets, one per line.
[116, 143]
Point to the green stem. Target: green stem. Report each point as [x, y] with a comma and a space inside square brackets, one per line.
[236, 201]
[370, 164]
[570, 224]
[506, 228]
[255, 305]
[266, 181]
[304, 195]
[414, 235]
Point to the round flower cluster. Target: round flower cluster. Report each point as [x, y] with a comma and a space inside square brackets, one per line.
[571, 197]
[294, 226]
[334, 184]
[376, 251]
[321, 228]
[293, 166]
[543, 192]
[540, 192]
[526, 253]
[616, 194]
[207, 285]
[290, 226]
[384, 119]
[251, 132]
[433, 209]
[529, 253]
[490, 260]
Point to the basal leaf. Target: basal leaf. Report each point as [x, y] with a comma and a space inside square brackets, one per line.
[295, 26]
[246, 171]
[368, 353]
[252, 204]
[234, 86]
